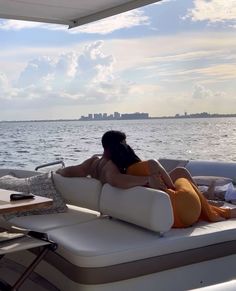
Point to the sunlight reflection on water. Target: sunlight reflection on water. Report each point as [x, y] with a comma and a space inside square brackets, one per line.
[28, 144]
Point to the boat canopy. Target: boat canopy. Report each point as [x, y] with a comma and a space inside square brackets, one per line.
[68, 12]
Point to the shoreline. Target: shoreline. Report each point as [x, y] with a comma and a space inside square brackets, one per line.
[190, 116]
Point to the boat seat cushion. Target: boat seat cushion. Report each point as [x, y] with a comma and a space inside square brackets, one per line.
[145, 207]
[81, 191]
[212, 168]
[208, 180]
[43, 223]
[108, 242]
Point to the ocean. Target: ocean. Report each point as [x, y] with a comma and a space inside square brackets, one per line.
[28, 144]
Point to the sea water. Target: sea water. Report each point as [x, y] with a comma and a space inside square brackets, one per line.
[28, 144]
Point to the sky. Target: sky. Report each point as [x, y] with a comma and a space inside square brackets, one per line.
[166, 58]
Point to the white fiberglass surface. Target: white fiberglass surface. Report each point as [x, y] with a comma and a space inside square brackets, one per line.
[70, 13]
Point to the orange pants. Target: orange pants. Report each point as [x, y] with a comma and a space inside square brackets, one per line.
[189, 204]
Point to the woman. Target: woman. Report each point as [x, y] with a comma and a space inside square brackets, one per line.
[189, 204]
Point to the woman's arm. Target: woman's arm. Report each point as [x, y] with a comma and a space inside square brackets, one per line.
[117, 179]
[156, 168]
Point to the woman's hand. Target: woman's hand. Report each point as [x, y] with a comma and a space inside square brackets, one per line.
[156, 182]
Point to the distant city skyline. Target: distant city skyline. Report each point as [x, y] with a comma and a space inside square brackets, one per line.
[131, 116]
[115, 116]
[171, 56]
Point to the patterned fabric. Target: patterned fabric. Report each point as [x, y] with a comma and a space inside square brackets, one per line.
[40, 185]
[9, 182]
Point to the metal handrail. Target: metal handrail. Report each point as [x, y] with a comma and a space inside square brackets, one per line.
[50, 164]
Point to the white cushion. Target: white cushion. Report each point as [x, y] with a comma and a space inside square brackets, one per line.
[80, 191]
[145, 207]
[107, 242]
[226, 286]
[43, 223]
[211, 168]
[208, 180]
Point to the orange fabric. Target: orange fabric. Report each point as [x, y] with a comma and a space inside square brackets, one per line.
[189, 204]
[139, 169]
[185, 202]
[210, 212]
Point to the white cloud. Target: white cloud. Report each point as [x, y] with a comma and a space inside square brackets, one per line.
[19, 25]
[220, 71]
[7, 91]
[205, 57]
[4, 86]
[108, 25]
[213, 11]
[100, 75]
[200, 92]
[209, 99]
[125, 20]
[70, 77]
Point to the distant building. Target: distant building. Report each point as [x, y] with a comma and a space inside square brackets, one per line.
[116, 116]
[98, 116]
[136, 115]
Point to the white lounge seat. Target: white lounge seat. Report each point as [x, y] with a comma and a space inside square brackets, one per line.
[225, 286]
[107, 242]
[96, 252]
[44, 223]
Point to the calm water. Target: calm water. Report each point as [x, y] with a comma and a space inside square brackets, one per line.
[28, 144]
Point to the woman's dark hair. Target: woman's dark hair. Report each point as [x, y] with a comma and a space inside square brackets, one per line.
[121, 153]
[112, 137]
[123, 156]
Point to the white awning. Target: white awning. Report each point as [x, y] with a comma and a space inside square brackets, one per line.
[69, 12]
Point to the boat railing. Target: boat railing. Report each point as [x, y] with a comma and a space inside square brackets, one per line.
[50, 164]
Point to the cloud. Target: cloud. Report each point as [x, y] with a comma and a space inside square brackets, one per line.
[105, 26]
[122, 21]
[4, 86]
[7, 91]
[213, 11]
[188, 56]
[211, 73]
[19, 25]
[219, 71]
[201, 92]
[72, 77]
[100, 75]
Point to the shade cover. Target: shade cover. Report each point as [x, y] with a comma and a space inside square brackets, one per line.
[68, 12]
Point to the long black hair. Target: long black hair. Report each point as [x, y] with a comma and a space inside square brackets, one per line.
[112, 138]
[120, 153]
[123, 156]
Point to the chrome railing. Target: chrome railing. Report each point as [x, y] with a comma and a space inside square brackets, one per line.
[50, 164]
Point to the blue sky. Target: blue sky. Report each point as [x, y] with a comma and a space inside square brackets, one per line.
[165, 58]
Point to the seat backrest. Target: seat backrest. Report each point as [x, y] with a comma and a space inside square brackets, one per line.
[145, 207]
[80, 191]
[212, 168]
